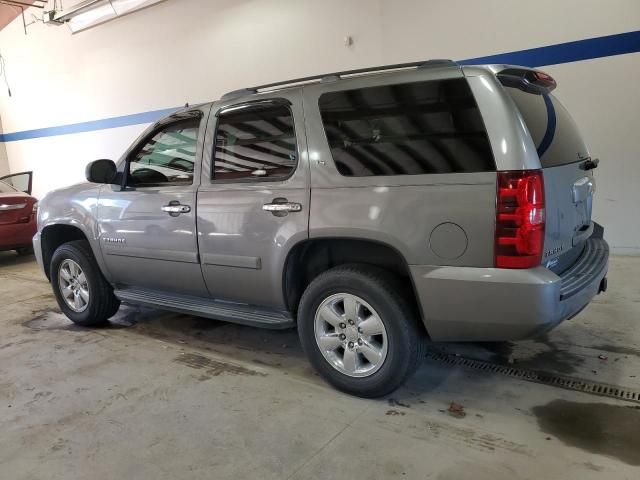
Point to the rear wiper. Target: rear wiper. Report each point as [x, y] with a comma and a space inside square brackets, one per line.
[589, 164]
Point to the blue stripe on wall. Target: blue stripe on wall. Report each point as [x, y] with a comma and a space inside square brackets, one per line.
[566, 52]
[113, 122]
[590, 48]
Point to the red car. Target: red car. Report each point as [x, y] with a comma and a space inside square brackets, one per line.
[17, 213]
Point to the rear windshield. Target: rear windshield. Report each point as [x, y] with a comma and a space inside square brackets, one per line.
[406, 129]
[552, 129]
[5, 188]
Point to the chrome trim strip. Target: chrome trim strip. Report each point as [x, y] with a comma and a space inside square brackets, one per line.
[15, 206]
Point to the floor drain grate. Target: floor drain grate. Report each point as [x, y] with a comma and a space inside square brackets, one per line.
[536, 376]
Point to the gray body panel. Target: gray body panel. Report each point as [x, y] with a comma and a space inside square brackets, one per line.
[75, 206]
[159, 251]
[226, 257]
[568, 196]
[494, 304]
[379, 213]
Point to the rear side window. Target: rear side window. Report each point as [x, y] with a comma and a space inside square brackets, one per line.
[552, 129]
[255, 142]
[406, 129]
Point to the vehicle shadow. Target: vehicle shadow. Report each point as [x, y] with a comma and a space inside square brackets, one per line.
[11, 258]
[280, 349]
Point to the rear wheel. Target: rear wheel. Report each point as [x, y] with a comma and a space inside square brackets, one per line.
[358, 330]
[82, 292]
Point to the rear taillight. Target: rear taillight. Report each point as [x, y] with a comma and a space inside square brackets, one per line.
[519, 234]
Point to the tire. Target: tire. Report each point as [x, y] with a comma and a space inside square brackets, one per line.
[100, 304]
[23, 251]
[377, 295]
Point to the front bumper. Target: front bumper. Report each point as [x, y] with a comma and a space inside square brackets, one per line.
[37, 250]
[494, 304]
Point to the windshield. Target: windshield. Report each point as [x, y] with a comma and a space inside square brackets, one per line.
[552, 129]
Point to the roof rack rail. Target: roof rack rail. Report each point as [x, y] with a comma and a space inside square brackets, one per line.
[338, 75]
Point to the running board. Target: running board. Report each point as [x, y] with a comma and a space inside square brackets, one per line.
[205, 307]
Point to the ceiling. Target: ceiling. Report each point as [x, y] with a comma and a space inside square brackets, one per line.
[10, 9]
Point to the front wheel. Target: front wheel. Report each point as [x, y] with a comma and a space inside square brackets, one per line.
[82, 292]
[359, 331]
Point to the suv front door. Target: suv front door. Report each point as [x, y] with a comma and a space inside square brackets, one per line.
[253, 202]
[147, 228]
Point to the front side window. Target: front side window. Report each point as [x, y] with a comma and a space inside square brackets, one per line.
[406, 129]
[168, 157]
[255, 142]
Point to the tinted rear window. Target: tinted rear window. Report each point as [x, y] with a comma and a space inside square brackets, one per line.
[552, 129]
[406, 129]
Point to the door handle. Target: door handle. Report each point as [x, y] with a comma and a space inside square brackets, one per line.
[282, 207]
[175, 209]
[15, 206]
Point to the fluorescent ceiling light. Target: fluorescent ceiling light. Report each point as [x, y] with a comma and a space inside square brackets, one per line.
[125, 6]
[98, 14]
[90, 13]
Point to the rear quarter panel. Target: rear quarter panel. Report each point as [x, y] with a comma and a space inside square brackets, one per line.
[404, 216]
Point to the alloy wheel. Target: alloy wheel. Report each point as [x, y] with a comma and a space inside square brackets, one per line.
[73, 285]
[351, 335]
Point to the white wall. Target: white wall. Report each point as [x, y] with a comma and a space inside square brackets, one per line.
[195, 50]
[4, 158]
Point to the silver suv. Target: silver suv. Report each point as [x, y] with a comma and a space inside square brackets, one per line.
[369, 208]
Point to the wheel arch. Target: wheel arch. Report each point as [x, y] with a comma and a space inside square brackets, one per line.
[54, 235]
[309, 258]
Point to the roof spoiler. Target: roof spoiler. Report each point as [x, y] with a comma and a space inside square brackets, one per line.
[527, 80]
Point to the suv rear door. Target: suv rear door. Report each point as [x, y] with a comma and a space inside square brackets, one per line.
[253, 201]
[568, 179]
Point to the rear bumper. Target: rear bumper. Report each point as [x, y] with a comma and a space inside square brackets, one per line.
[493, 304]
[17, 235]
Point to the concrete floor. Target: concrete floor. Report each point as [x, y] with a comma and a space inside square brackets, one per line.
[164, 396]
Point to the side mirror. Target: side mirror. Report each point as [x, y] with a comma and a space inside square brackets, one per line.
[101, 171]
